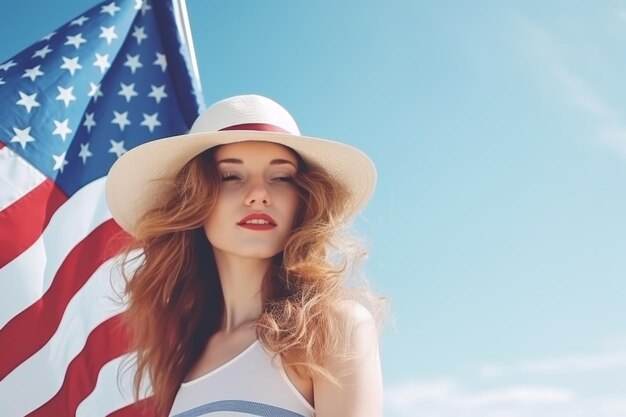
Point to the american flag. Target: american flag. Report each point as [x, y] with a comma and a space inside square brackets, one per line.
[72, 103]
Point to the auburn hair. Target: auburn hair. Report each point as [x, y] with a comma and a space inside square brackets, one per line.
[173, 292]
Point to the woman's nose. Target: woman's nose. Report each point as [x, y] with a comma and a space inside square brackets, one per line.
[258, 194]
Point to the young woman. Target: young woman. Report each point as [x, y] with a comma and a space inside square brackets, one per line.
[239, 305]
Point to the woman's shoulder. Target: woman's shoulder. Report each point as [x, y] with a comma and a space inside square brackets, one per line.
[356, 385]
[357, 328]
[352, 312]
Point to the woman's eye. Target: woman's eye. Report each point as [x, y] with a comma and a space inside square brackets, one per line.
[230, 176]
[283, 178]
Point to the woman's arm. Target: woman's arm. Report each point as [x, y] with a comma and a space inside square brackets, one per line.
[361, 390]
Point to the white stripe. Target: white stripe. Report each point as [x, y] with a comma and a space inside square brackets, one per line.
[43, 373]
[17, 177]
[108, 397]
[27, 277]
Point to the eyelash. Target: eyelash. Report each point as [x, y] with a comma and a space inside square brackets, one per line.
[283, 178]
[230, 176]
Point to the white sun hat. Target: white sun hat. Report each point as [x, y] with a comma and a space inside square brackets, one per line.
[133, 188]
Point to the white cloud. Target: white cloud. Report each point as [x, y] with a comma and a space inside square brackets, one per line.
[614, 342]
[559, 365]
[523, 389]
[576, 363]
[614, 406]
[582, 92]
[610, 126]
[516, 396]
[614, 137]
[405, 395]
[446, 397]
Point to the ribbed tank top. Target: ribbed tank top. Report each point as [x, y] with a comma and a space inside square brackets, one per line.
[250, 384]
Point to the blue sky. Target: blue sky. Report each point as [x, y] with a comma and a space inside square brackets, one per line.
[499, 131]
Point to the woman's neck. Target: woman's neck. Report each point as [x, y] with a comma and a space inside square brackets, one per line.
[241, 280]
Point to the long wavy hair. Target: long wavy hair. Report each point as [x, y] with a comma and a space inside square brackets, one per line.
[175, 301]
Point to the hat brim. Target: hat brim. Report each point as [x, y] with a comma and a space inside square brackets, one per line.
[131, 189]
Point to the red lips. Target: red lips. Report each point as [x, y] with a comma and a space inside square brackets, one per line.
[257, 221]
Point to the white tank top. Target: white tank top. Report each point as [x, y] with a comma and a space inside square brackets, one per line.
[250, 384]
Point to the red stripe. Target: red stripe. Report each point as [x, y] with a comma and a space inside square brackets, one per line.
[23, 221]
[2, 145]
[141, 408]
[105, 343]
[17, 341]
[264, 127]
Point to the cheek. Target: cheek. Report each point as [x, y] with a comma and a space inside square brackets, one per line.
[294, 204]
[216, 217]
[208, 227]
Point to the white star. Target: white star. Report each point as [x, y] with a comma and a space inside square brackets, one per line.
[22, 136]
[2, 81]
[48, 36]
[158, 93]
[161, 61]
[59, 162]
[128, 91]
[71, 65]
[28, 101]
[133, 62]
[95, 91]
[75, 40]
[65, 95]
[117, 148]
[62, 129]
[7, 65]
[151, 121]
[32, 73]
[42, 52]
[102, 61]
[121, 119]
[108, 33]
[110, 8]
[89, 121]
[145, 7]
[84, 152]
[139, 34]
[79, 21]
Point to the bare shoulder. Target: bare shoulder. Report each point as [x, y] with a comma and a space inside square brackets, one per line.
[355, 366]
[357, 325]
[351, 310]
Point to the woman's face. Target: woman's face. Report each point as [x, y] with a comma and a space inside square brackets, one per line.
[257, 201]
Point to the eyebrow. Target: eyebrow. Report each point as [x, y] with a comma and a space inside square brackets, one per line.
[239, 161]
